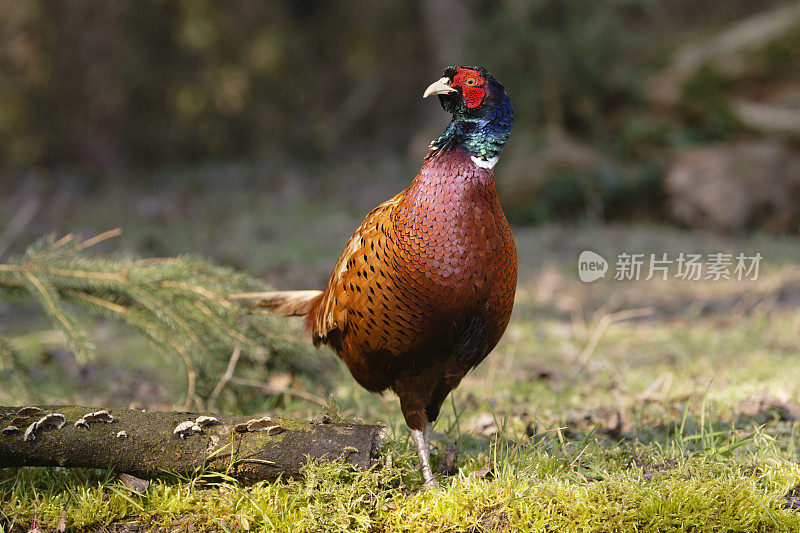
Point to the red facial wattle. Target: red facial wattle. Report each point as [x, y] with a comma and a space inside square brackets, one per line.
[473, 86]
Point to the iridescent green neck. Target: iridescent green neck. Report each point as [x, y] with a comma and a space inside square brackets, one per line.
[482, 136]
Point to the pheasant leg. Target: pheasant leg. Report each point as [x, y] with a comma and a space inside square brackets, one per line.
[423, 453]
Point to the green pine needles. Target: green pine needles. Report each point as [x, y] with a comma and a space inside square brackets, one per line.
[178, 303]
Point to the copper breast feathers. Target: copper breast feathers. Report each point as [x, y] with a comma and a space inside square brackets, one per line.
[435, 256]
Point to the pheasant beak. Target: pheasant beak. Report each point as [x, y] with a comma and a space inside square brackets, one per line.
[438, 87]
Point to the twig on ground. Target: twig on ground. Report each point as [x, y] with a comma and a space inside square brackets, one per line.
[266, 387]
[225, 378]
[601, 327]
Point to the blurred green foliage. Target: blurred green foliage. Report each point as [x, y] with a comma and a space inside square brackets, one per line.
[92, 83]
[568, 61]
[705, 102]
[99, 89]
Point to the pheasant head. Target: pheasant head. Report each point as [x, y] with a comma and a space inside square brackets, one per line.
[482, 113]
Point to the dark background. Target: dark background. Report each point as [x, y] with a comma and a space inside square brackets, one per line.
[608, 96]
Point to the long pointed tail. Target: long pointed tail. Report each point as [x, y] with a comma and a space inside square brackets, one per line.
[288, 303]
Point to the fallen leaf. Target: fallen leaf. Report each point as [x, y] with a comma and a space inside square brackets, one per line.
[322, 418]
[792, 499]
[787, 412]
[279, 382]
[617, 425]
[61, 525]
[486, 472]
[448, 466]
[134, 483]
[485, 425]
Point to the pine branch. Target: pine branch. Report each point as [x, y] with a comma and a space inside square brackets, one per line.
[77, 339]
[178, 303]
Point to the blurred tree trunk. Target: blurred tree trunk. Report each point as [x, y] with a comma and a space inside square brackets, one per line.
[93, 97]
[447, 24]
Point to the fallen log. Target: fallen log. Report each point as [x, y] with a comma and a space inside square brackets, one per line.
[150, 444]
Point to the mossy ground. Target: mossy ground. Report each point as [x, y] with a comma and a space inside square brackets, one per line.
[681, 415]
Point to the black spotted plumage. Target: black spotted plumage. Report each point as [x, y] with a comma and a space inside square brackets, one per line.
[425, 286]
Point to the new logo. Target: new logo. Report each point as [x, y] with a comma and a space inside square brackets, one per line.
[591, 266]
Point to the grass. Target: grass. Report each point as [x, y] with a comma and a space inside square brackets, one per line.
[548, 485]
[611, 406]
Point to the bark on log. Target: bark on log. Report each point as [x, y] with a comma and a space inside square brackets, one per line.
[149, 447]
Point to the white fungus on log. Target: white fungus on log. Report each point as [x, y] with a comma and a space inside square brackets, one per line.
[28, 411]
[122, 435]
[259, 457]
[204, 421]
[259, 424]
[184, 429]
[97, 416]
[56, 420]
[29, 432]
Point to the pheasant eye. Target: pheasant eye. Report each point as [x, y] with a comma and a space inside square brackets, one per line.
[471, 81]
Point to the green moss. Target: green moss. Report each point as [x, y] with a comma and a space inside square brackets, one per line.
[533, 488]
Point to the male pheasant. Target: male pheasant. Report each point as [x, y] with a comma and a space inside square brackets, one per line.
[424, 288]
